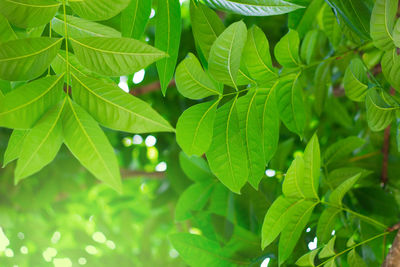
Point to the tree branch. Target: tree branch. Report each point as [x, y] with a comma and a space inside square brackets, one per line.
[148, 88]
[393, 257]
[126, 174]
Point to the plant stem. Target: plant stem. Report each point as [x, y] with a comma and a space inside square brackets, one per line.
[66, 47]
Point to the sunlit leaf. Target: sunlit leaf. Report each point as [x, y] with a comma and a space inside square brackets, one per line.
[382, 23]
[134, 18]
[356, 81]
[329, 249]
[97, 9]
[14, 146]
[287, 50]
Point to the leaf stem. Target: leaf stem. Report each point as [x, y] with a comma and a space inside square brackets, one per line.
[48, 72]
[66, 47]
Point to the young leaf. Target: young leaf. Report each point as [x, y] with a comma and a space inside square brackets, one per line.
[337, 195]
[98, 9]
[342, 148]
[14, 146]
[168, 35]
[195, 168]
[41, 144]
[191, 80]
[115, 109]
[331, 26]
[254, 7]
[257, 57]
[227, 154]
[225, 54]
[294, 179]
[355, 81]
[322, 79]
[114, 56]
[382, 23]
[6, 32]
[308, 258]
[290, 104]
[29, 13]
[312, 165]
[134, 18]
[250, 126]
[326, 224]
[379, 112]
[390, 67]
[88, 143]
[354, 260]
[22, 107]
[25, 59]
[328, 250]
[78, 27]
[287, 50]
[194, 130]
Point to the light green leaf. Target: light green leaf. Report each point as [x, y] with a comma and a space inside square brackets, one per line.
[312, 165]
[326, 224]
[340, 149]
[250, 127]
[391, 67]
[269, 116]
[225, 54]
[355, 260]
[379, 112]
[28, 13]
[355, 81]
[206, 26]
[330, 263]
[287, 50]
[116, 109]
[14, 146]
[194, 130]
[168, 35]
[331, 26]
[329, 249]
[227, 154]
[98, 9]
[338, 176]
[294, 179]
[41, 144]
[194, 198]
[22, 107]
[114, 56]
[78, 27]
[195, 168]
[302, 20]
[296, 222]
[382, 23]
[337, 195]
[60, 61]
[322, 79]
[6, 32]
[257, 57]
[26, 59]
[134, 18]
[253, 7]
[308, 258]
[191, 80]
[290, 103]
[88, 143]
[396, 33]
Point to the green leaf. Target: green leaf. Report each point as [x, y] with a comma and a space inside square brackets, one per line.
[382, 23]
[339, 150]
[338, 176]
[60, 61]
[250, 126]
[194, 130]
[312, 165]
[253, 7]
[6, 32]
[331, 26]
[197, 251]
[78, 27]
[116, 109]
[322, 79]
[98, 9]
[41, 144]
[114, 56]
[291, 105]
[88, 143]
[168, 35]
[330, 263]
[225, 54]
[28, 13]
[206, 26]
[257, 57]
[194, 198]
[26, 59]
[269, 116]
[396, 33]
[14, 146]
[302, 20]
[294, 179]
[329, 249]
[227, 154]
[355, 80]
[296, 222]
[134, 18]
[22, 107]
[341, 114]
[195, 168]
[191, 80]
[355, 260]
[379, 112]
[337, 195]
[326, 224]
[390, 67]
[308, 258]
[287, 50]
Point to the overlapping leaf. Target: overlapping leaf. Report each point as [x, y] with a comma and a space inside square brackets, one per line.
[382, 23]
[355, 81]
[287, 50]
[134, 18]
[98, 9]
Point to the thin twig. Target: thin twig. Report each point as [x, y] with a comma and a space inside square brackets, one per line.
[149, 88]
